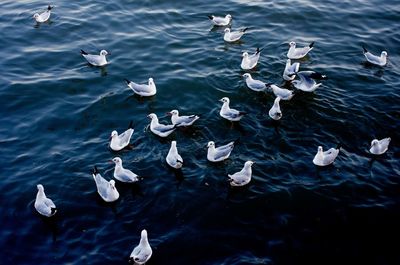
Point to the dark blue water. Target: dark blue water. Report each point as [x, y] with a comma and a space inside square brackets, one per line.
[57, 114]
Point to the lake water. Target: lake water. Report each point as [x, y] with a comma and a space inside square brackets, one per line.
[57, 114]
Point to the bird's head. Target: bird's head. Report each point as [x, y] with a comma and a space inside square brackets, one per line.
[292, 44]
[224, 99]
[103, 53]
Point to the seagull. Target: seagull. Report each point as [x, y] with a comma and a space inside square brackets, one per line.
[220, 153]
[232, 36]
[173, 158]
[307, 82]
[221, 21]
[182, 121]
[255, 85]
[44, 205]
[298, 53]
[119, 142]
[142, 252]
[94, 59]
[250, 61]
[283, 93]
[122, 174]
[377, 60]
[144, 90]
[378, 147]
[230, 114]
[290, 70]
[242, 177]
[325, 158]
[161, 130]
[275, 111]
[106, 189]
[43, 17]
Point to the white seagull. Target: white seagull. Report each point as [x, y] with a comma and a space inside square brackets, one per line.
[220, 21]
[325, 158]
[250, 61]
[119, 142]
[107, 190]
[182, 121]
[242, 177]
[232, 36]
[144, 90]
[283, 93]
[122, 174]
[230, 114]
[142, 252]
[253, 84]
[43, 17]
[290, 70]
[220, 153]
[275, 111]
[378, 147]
[173, 158]
[298, 53]
[377, 60]
[307, 81]
[161, 130]
[44, 205]
[94, 59]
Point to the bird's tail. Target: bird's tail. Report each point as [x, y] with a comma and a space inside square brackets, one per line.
[95, 171]
[210, 17]
[244, 30]
[83, 52]
[311, 44]
[127, 81]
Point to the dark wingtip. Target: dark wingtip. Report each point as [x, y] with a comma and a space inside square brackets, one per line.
[339, 145]
[49, 7]
[127, 81]
[258, 50]
[83, 52]
[365, 49]
[242, 112]
[95, 170]
[311, 44]
[210, 17]
[179, 161]
[53, 210]
[130, 125]
[235, 142]
[244, 30]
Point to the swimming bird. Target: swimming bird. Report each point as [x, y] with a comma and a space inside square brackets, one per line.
[142, 252]
[307, 81]
[378, 147]
[173, 158]
[242, 177]
[298, 53]
[217, 154]
[161, 130]
[230, 114]
[275, 111]
[144, 90]
[44, 205]
[94, 59]
[123, 174]
[119, 142]
[250, 61]
[253, 84]
[232, 36]
[221, 21]
[106, 189]
[43, 17]
[325, 158]
[182, 121]
[377, 60]
[283, 93]
[290, 70]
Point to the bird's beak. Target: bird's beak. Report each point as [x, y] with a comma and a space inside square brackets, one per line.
[168, 113]
[221, 100]
[110, 161]
[108, 53]
[109, 138]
